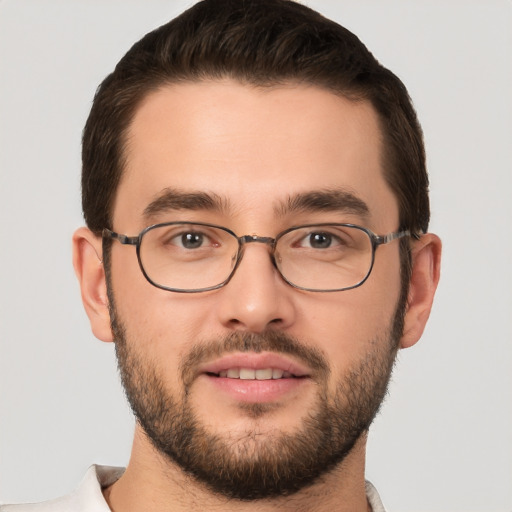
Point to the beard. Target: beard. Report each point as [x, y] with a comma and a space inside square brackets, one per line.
[257, 464]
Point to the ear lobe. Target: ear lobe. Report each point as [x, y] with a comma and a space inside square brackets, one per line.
[426, 266]
[91, 277]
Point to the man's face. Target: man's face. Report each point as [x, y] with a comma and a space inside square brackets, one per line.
[254, 152]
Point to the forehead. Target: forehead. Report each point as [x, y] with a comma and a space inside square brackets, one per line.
[251, 147]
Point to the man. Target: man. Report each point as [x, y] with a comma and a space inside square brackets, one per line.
[255, 194]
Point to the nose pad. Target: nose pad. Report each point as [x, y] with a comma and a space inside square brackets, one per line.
[239, 256]
[256, 296]
[276, 260]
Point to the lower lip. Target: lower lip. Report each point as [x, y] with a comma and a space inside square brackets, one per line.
[257, 391]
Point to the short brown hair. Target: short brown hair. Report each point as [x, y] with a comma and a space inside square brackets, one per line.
[258, 42]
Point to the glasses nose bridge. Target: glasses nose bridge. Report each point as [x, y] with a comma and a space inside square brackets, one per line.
[248, 239]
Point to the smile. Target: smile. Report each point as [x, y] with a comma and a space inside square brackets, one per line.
[255, 374]
[250, 366]
[264, 377]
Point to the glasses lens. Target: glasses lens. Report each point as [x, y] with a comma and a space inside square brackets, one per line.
[188, 256]
[324, 257]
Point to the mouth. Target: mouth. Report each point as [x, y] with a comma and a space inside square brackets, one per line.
[255, 374]
[255, 366]
[256, 377]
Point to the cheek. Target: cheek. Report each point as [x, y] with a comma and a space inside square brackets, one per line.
[346, 325]
[161, 323]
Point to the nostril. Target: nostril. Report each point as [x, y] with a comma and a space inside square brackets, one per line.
[254, 326]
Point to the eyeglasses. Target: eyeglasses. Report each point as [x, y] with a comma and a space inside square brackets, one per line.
[191, 257]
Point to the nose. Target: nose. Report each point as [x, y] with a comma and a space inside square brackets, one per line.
[256, 298]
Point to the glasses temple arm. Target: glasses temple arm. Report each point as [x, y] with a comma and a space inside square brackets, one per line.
[124, 239]
[385, 239]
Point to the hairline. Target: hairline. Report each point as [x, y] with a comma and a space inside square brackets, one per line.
[152, 88]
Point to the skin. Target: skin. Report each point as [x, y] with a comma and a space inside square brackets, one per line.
[254, 148]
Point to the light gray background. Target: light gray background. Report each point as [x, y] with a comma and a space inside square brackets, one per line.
[443, 441]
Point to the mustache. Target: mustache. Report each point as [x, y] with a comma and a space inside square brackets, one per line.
[268, 341]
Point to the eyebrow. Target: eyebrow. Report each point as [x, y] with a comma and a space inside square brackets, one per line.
[327, 200]
[172, 199]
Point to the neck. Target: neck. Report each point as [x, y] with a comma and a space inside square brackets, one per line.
[152, 482]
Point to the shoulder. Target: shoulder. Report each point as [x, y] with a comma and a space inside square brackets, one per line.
[86, 497]
[373, 498]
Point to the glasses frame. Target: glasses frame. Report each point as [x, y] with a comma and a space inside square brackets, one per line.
[376, 241]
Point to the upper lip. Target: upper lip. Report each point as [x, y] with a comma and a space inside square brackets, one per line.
[255, 361]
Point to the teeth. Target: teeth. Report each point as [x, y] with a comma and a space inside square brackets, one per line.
[247, 374]
[277, 373]
[265, 374]
[233, 373]
[252, 374]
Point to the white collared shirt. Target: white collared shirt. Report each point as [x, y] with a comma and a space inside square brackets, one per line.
[88, 496]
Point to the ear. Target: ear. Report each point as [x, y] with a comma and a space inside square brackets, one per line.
[89, 270]
[426, 266]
